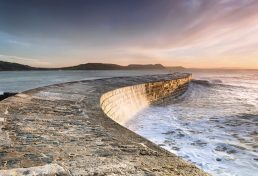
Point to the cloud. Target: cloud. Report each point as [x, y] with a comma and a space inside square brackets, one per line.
[129, 31]
[20, 43]
[210, 19]
[22, 60]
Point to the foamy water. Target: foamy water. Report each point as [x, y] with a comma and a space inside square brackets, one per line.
[214, 124]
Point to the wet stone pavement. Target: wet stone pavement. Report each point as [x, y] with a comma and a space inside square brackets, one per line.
[63, 126]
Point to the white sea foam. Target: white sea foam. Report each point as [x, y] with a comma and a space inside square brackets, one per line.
[213, 125]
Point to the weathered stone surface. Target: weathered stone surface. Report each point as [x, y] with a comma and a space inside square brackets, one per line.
[64, 124]
[46, 170]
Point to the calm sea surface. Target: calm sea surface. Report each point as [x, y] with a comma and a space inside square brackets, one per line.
[18, 81]
[214, 124]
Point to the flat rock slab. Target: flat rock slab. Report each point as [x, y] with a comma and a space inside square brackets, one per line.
[47, 170]
[63, 127]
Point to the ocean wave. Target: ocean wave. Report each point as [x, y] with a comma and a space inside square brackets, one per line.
[202, 82]
[214, 83]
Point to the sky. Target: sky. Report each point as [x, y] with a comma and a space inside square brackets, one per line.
[189, 33]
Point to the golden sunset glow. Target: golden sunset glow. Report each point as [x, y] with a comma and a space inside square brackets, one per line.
[189, 33]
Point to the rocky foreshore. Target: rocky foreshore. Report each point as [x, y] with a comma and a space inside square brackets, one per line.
[62, 130]
[6, 95]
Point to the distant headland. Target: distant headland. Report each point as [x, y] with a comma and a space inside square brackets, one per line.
[9, 66]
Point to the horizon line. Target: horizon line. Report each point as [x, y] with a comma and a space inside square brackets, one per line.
[166, 66]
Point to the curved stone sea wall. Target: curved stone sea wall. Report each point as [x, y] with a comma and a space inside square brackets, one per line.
[62, 129]
[123, 103]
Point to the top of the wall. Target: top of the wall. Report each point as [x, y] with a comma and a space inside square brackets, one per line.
[63, 127]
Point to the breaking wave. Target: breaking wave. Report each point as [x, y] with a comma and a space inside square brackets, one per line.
[213, 125]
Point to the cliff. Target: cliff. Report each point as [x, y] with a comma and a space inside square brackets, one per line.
[8, 66]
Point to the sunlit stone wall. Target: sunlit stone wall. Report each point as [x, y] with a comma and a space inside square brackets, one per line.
[123, 103]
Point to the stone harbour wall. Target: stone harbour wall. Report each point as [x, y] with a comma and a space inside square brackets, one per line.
[62, 129]
[123, 103]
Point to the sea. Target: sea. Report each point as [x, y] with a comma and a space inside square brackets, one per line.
[19, 81]
[214, 125]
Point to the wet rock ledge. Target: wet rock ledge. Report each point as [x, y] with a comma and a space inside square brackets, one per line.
[67, 129]
[6, 95]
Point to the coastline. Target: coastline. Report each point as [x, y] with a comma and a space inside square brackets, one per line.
[63, 124]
